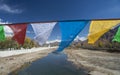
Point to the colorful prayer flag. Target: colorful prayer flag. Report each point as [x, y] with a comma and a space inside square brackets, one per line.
[69, 31]
[117, 36]
[42, 31]
[19, 32]
[99, 27]
[2, 33]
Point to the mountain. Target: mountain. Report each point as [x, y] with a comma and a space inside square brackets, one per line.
[52, 43]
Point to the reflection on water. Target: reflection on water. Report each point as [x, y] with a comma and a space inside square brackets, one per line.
[53, 64]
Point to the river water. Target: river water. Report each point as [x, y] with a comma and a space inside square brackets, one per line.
[53, 64]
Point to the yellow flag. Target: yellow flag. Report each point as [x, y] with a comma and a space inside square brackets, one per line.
[99, 27]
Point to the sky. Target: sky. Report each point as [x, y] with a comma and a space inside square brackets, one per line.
[18, 11]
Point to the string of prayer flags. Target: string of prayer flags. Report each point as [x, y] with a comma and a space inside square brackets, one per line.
[69, 30]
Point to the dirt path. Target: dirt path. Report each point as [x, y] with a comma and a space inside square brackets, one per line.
[11, 63]
[96, 62]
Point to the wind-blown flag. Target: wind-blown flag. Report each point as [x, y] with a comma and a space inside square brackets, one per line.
[42, 31]
[2, 34]
[117, 36]
[69, 31]
[19, 32]
[98, 28]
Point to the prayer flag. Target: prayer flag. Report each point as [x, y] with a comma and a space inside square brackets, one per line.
[117, 36]
[2, 33]
[69, 31]
[19, 32]
[42, 31]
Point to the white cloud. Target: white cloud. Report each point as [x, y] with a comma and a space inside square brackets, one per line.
[6, 8]
[3, 22]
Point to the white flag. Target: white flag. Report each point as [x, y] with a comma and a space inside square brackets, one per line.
[42, 31]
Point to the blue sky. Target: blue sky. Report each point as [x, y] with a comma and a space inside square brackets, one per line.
[46, 10]
[17, 11]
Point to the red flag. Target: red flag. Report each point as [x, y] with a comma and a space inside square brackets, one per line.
[19, 32]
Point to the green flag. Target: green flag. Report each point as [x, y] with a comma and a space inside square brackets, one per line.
[2, 34]
[117, 36]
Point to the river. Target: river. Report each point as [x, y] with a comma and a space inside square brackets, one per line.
[53, 64]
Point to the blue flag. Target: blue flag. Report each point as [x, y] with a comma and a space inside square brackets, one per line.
[69, 31]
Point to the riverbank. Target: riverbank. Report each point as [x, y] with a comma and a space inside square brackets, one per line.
[96, 62]
[13, 60]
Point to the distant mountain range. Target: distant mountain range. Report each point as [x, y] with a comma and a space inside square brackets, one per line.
[53, 41]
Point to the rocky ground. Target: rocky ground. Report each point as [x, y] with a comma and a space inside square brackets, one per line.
[14, 62]
[96, 62]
